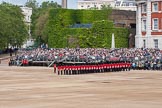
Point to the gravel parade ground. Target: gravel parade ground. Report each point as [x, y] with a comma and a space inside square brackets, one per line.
[39, 87]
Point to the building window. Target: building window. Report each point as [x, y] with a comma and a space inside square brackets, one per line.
[155, 24]
[144, 25]
[117, 4]
[144, 8]
[82, 6]
[144, 43]
[124, 4]
[154, 7]
[130, 4]
[156, 43]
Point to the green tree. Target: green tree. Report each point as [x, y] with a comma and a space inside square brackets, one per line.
[13, 30]
[32, 4]
[40, 19]
[51, 4]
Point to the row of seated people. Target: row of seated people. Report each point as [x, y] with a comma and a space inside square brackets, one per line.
[65, 69]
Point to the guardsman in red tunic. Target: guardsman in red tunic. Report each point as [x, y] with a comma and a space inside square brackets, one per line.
[89, 68]
[129, 65]
[26, 62]
[82, 69]
[98, 68]
[58, 70]
[86, 69]
[119, 66]
[124, 65]
[77, 69]
[61, 68]
[54, 66]
[70, 69]
[107, 68]
[102, 67]
[112, 67]
[80, 72]
[73, 69]
[115, 66]
[65, 70]
[94, 68]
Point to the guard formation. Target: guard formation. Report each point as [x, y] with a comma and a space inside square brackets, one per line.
[85, 68]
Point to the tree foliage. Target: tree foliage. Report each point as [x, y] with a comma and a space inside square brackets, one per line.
[99, 35]
[39, 19]
[13, 30]
[32, 4]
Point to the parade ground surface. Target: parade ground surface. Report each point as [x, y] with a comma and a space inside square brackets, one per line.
[39, 87]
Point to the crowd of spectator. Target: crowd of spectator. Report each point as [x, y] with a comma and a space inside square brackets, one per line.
[140, 58]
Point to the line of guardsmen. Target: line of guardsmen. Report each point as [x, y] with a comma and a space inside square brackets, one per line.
[71, 69]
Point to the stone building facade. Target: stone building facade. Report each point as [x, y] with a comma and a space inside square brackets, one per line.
[149, 24]
[27, 19]
[115, 4]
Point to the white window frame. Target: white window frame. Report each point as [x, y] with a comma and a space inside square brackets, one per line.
[153, 7]
[153, 24]
[144, 8]
[156, 42]
[144, 25]
[130, 4]
[124, 4]
[117, 4]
